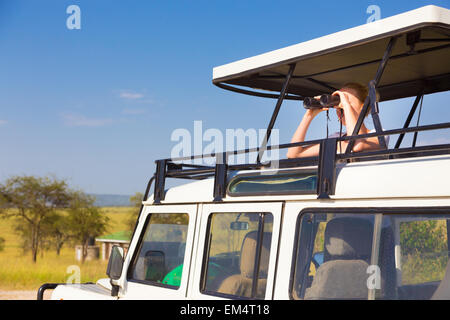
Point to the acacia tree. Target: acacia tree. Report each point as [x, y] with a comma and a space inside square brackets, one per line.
[33, 200]
[57, 231]
[85, 220]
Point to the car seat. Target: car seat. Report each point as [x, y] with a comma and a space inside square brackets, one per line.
[241, 284]
[347, 251]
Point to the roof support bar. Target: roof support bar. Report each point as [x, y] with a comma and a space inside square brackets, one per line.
[374, 112]
[371, 98]
[220, 177]
[408, 120]
[327, 168]
[275, 112]
[418, 120]
[160, 180]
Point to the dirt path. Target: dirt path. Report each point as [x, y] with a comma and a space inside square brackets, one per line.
[23, 295]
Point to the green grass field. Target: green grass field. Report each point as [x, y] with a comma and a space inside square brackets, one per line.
[18, 272]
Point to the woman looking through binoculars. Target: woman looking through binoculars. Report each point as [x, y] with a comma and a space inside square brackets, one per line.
[352, 96]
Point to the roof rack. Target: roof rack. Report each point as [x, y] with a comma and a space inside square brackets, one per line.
[328, 158]
[326, 162]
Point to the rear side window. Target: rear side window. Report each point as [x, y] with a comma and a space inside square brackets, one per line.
[237, 255]
[371, 256]
[160, 253]
[424, 253]
[333, 256]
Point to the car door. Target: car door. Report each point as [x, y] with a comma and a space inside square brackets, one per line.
[237, 248]
[160, 262]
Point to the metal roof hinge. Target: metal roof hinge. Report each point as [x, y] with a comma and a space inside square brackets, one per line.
[327, 168]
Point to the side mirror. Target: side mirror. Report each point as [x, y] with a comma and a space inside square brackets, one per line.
[115, 263]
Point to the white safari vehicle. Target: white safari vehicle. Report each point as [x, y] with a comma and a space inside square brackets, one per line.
[308, 228]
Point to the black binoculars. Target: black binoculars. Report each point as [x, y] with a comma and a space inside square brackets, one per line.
[325, 101]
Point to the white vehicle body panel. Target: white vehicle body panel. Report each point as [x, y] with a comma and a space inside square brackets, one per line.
[82, 292]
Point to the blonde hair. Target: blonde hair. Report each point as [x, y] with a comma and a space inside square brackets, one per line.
[361, 92]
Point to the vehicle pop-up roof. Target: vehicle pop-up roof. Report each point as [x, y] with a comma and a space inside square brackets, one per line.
[419, 61]
[400, 56]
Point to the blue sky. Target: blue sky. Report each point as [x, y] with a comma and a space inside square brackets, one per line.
[97, 106]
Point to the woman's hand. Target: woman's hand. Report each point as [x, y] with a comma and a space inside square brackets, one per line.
[300, 133]
[312, 113]
[345, 101]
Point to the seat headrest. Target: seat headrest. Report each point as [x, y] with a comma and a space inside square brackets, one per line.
[348, 238]
[248, 252]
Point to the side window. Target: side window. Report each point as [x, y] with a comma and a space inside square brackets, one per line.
[237, 254]
[424, 256]
[160, 253]
[333, 256]
[371, 256]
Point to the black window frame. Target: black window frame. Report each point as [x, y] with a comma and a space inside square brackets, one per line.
[431, 210]
[137, 250]
[207, 247]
